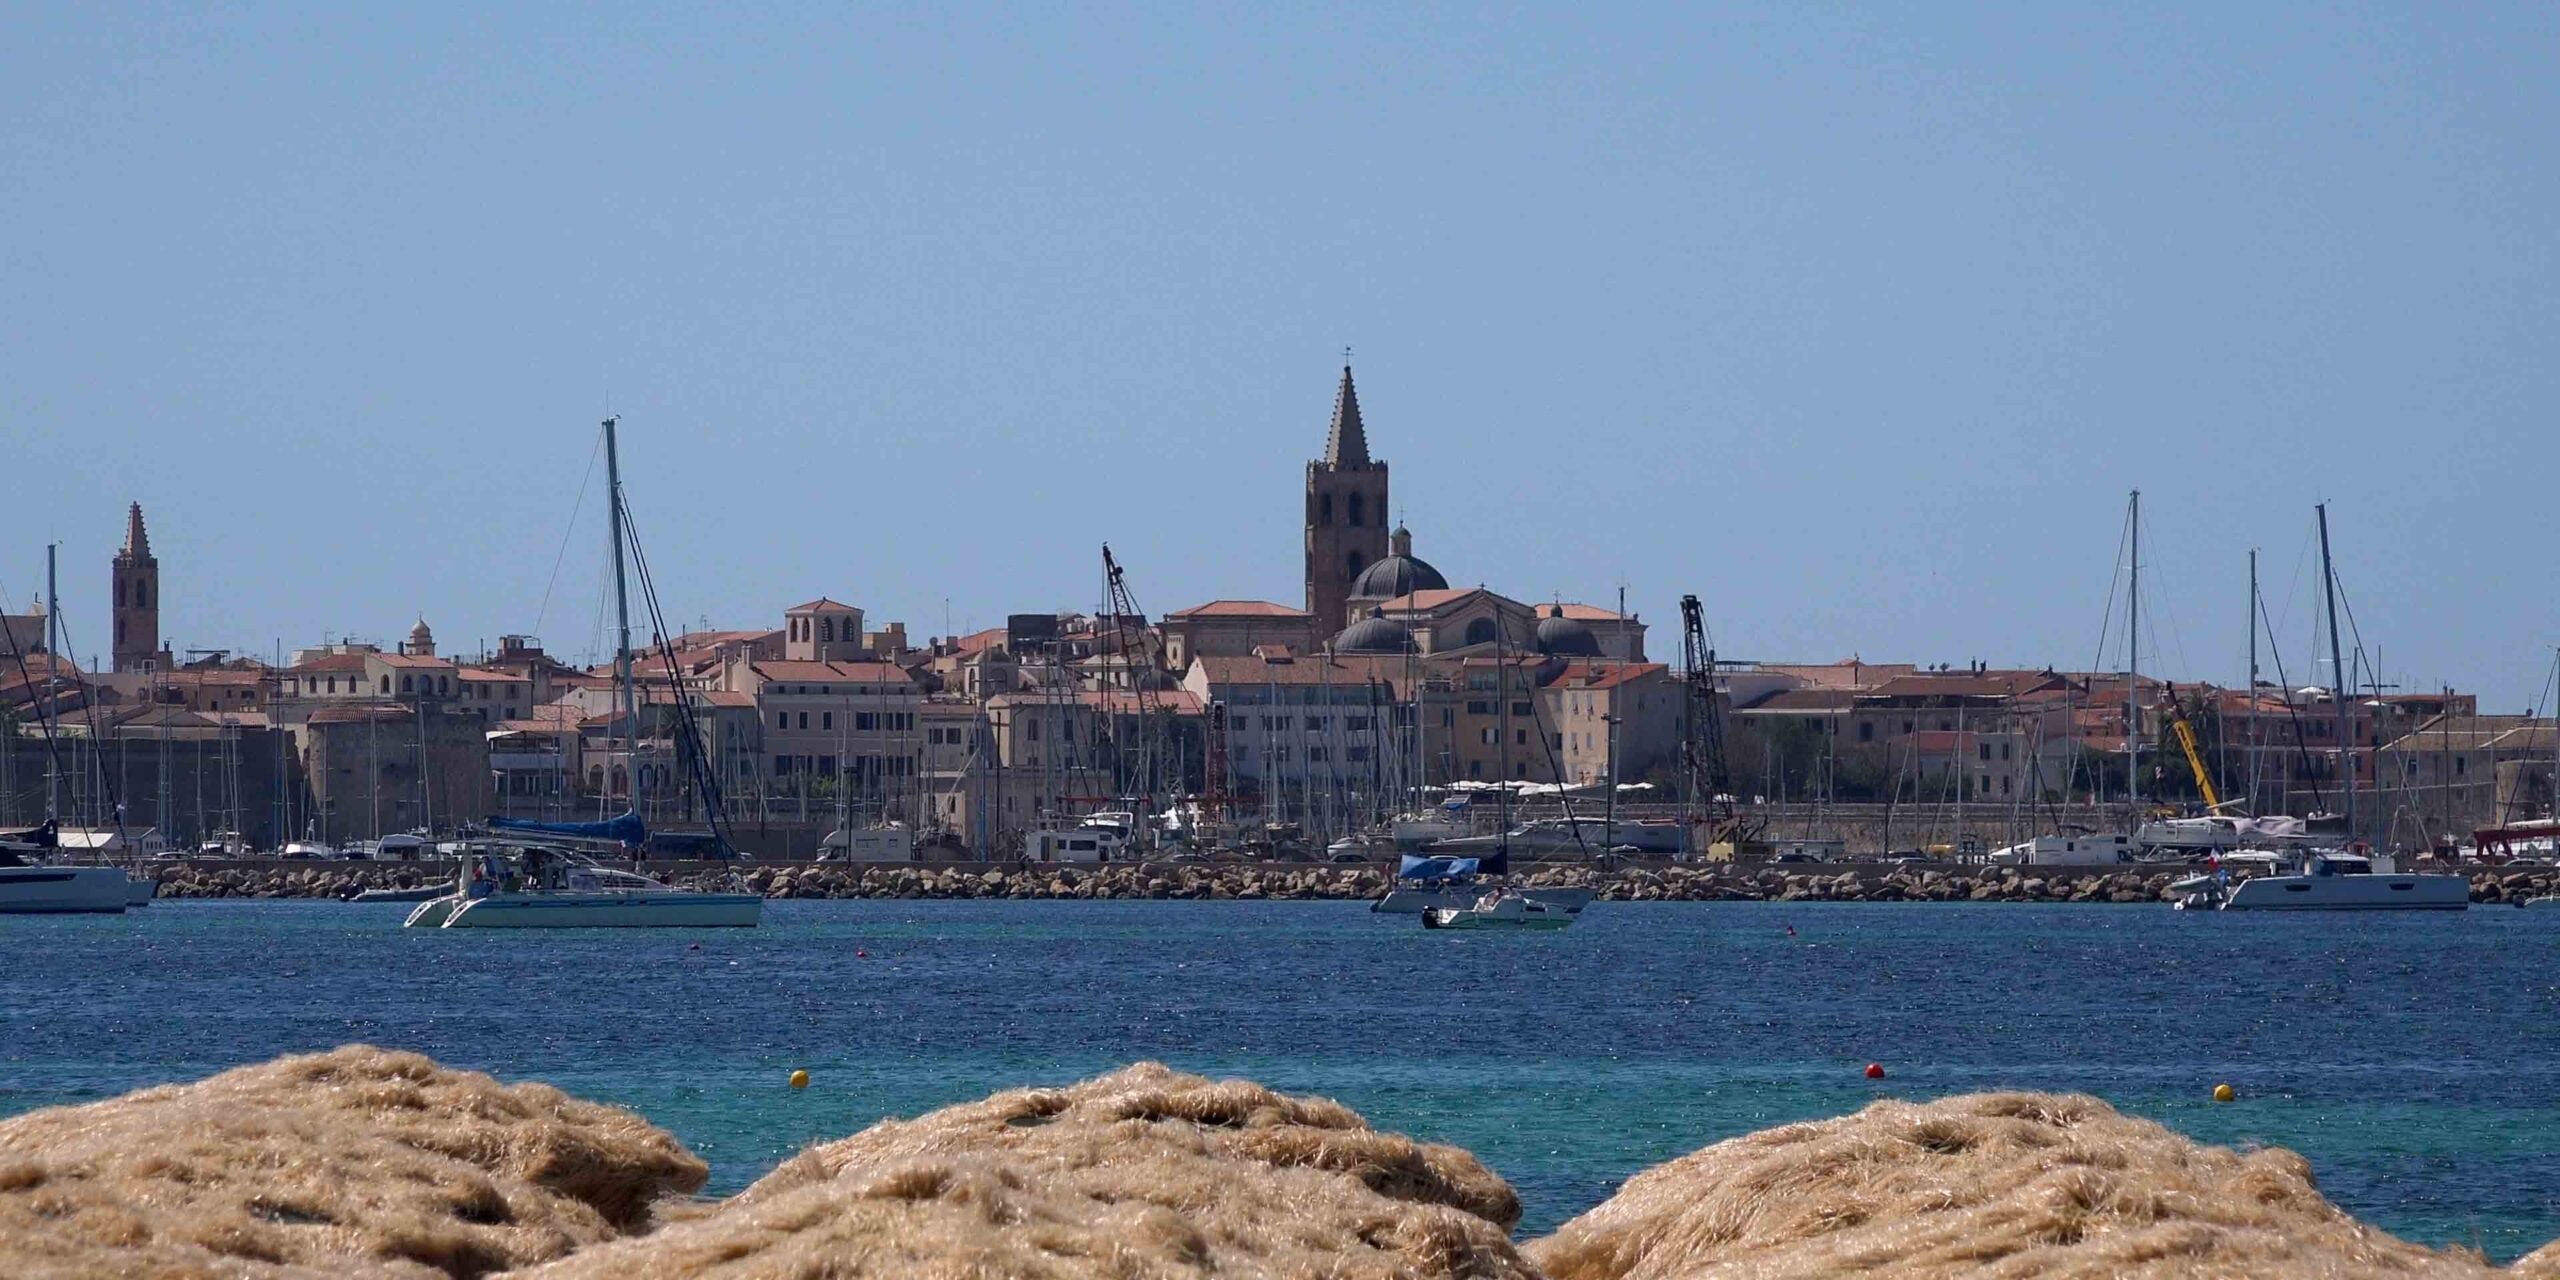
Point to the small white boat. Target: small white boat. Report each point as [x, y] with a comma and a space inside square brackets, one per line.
[1415, 899]
[536, 887]
[2545, 901]
[2218, 833]
[1501, 909]
[2329, 882]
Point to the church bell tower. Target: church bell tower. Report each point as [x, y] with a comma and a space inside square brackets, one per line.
[137, 600]
[1346, 511]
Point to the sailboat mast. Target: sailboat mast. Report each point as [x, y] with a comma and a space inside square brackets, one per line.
[1502, 691]
[53, 659]
[2133, 668]
[621, 613]
[2337, 675]
[2252, 712]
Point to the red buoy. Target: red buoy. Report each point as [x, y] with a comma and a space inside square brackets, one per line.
[860, 954]
[1875, 1071]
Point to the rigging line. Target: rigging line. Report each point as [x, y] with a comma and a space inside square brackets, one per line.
[2292, 711]
[97, 745]
[563, 554]
[2293, 587]
[43, 705]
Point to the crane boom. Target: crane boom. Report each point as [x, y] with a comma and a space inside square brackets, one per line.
[2186, 736]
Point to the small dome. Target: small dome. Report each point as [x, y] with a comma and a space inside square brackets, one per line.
[1373, 634]
[419, 633]
[1401, 573]
[1562, 637]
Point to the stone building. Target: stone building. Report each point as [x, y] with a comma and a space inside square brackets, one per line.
[376, 767]
[135, 582]
[1346, 517]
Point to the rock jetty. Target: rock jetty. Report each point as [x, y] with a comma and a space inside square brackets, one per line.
[384, 1166]
[1756, 883]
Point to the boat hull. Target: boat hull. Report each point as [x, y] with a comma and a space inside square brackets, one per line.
[1412, 901]
[423, 893]
[601, 911]
[140, 890]
[2375, 892]
[63, 890]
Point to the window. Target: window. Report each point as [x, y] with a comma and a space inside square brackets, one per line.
[1485, 736]
[781, 719]
[1520, 737]
[804, 719]
[1521, 709]
[404, 684]
[1355, 754]
[866, 721]
[826, 719]
[1480, 631]
[1324, 509]
[781, 766]
[1351, 565]
[1359, 506]
[386, 684]
[1315, 755]
[1985, 751]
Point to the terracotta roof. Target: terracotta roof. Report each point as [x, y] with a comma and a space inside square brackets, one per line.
[1806, 700]
[332, 662]
[1590, 612]
[1240, 609]
[1848, 673]
[410, 661]
[821, 603]
[485, 675]
[1606, 675]
[976, 641]
[1180, 702]
[851, 672]
[1427, 600]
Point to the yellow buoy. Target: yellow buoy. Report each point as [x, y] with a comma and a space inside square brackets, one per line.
[800, 1080]
[2223, 1093]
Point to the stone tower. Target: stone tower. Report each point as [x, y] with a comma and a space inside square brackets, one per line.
[1346, 511]
[137, 600]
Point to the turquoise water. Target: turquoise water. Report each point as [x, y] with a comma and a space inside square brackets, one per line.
[2408, 1057]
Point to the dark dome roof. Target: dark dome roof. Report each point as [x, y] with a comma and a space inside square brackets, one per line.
[1373, 634]
[1397, 575]
[1562, 637]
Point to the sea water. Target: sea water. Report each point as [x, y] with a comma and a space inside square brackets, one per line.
[2409, 1056]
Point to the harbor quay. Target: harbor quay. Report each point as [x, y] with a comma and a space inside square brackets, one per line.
[1283, 881]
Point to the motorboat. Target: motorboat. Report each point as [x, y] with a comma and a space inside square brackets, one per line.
[2542, 901]
[1417, 831]
[541, 887]
[1500, 909]
[29, 885]
[415, 893]
[2318, 880]
[310, 850]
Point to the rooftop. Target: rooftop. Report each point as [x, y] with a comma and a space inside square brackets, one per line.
[1239, 609]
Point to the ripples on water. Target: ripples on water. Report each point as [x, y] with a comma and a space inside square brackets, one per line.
[2408, 1057]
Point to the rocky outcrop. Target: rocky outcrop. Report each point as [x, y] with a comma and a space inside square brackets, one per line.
[355, 1162]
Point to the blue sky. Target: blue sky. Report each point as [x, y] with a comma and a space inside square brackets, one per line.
[1857, 321]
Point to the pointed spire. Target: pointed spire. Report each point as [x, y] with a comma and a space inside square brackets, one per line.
[137, 543]
[1347, 445]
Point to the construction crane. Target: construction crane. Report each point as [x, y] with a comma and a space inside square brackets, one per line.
[1708, 799]
[2186, 735]
[1133, 648]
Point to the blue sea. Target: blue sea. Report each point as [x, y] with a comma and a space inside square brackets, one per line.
[2408, 1057]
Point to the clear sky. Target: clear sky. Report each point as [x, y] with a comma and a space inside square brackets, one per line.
[1859, 322]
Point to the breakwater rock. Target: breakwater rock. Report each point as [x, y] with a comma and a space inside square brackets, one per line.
[1262, 881]
[369, 1164]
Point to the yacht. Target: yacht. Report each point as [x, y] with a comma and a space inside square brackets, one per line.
[2068, 851]
[29, 885]
[1416, 831]
[1432, 884]
[1501, 909]
[542, 887]
[2327, 881]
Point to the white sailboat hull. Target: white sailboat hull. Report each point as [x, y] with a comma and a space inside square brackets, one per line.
[140, 890]
[605, 910]
[62, 890]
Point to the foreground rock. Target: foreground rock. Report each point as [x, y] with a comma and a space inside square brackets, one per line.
[357, 1162]
[1142, 1173]
[1988, 1185]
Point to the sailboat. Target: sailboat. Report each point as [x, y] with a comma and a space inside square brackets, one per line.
[29, 885]
[541, 885]
[2331, 880]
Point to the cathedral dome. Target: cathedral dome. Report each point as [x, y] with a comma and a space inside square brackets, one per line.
[1373, 634]
[1401, 573]
[1562, 637]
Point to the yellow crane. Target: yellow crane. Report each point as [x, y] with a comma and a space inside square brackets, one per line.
[2187, 743]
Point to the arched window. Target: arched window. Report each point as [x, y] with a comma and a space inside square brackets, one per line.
[1480, 631]
[1359, 507]
[1324, 509]
[827, 630]
[1351, 565]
